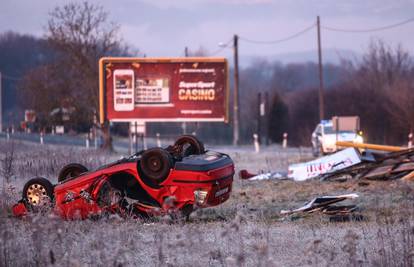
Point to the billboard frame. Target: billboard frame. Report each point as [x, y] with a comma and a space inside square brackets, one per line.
[102, 85]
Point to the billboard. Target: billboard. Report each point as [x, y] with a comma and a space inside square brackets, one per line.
[163, 89]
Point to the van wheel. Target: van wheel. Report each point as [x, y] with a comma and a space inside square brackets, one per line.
[71, 170]
[38, 192]
[189, 145]
[155, 164]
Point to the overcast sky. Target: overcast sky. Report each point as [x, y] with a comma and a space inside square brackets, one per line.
[164, 28]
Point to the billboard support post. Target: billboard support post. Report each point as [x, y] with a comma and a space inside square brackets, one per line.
[144, 143]
[136, 136]
[130, 140]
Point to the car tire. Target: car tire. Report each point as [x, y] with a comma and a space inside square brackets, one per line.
[71, 170]
[38, 192]
[155, 164]
[189, 145]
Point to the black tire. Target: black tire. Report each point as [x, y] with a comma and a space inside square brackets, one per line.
[155, 164]
[71, 170]
[189, 145]
[38, 192]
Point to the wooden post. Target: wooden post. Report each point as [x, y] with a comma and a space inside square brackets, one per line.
[236, 112]
[321, 89]
[259, 116]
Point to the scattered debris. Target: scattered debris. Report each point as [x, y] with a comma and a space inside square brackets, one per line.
[324, 205]
[337, 161]
[245, 175]
[378, 165]
[304, 171]
[377, 162]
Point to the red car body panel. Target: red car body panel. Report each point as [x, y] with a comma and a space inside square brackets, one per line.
[77, 197]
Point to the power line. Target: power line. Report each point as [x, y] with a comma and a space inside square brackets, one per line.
[279, 40]
[368, 30]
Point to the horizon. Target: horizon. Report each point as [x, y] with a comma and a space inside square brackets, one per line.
[200, 25]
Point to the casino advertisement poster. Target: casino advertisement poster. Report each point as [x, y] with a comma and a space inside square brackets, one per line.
[175, 89]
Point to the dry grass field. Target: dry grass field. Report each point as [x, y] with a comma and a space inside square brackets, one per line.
[247, 230]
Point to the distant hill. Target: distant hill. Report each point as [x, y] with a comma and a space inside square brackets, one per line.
[18, 54]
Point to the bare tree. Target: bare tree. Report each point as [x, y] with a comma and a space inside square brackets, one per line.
[200, 52]
[401, 104]
[80, 34]
[386, 72]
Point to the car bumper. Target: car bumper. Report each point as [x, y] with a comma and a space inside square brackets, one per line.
[329, 148]
[219, 192]
[204, 189]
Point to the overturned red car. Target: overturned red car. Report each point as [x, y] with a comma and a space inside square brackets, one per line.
[152, 182]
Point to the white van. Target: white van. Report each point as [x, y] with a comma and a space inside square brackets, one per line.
[324, 138]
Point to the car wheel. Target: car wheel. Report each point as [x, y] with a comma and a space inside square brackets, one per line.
[189, 145]
[38, 193]
[155, 164]
[71, 170]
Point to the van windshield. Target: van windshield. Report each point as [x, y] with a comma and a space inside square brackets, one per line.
[330, 130]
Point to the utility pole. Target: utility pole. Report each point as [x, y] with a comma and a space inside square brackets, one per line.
[266, 118]
[1, 105]
[259, 117]
[236, 112]
[321, 98]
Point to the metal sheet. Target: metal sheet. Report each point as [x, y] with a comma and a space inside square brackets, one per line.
[380, 171]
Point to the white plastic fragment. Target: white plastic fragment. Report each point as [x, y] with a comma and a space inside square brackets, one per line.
[339, 160]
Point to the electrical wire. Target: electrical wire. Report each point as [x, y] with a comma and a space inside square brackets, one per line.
[368, 30]
[279, 40]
